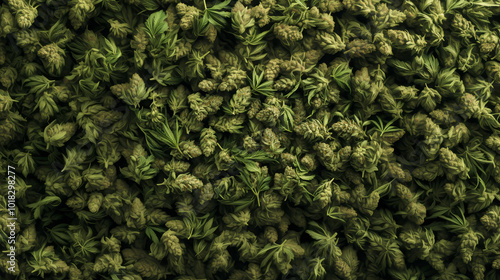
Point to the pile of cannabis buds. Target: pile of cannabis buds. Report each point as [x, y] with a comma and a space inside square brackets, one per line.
[250, 140]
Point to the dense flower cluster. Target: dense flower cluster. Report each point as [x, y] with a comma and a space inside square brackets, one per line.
[251, 140]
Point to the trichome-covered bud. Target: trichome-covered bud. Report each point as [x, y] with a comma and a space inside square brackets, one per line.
[313, 130]
[360, 7]
[95, 201]
[429, 98]
[488, 42]
[133, 92]
[270, 141]
[468, 243]
[330, 43]
[428, 171]
[237, 220]
[348, 129]
[240, 101]
[491, 219]
[330, 6]
[359, 48]
[462, 27]
[454, 165]
[182, 183]
[365, 156]
[189, 149]
[79, 12]
[272, 69]
[456, 135]
[404, 40]
[58, 134]
[125, 234]
[6, 101]
[8, 76]
[386, 18]
[203, 107]
[269, 115]
[208, 141]
[287, 34]
[188, 15]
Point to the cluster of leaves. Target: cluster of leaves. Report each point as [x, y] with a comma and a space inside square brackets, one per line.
[273, 139]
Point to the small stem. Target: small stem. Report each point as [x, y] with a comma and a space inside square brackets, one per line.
[179, 149]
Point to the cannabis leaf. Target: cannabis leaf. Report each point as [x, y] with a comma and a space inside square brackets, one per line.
[215, 14]
[382, 127]
[256, 182]
[38, 84]
[342, 76]
[156, 25]
[48, 201]
[264, 88]
[164, 135]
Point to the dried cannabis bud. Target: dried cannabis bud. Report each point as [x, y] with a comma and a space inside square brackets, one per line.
[265, 139]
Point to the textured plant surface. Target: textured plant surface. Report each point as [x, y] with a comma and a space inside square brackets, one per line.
[251, 140]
